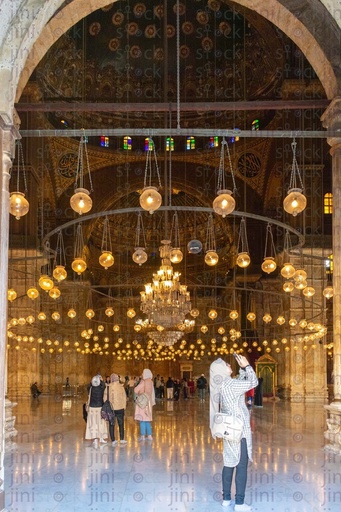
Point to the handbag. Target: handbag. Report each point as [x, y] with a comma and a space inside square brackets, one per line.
[142, 400]
[107, 412]
[228, 427]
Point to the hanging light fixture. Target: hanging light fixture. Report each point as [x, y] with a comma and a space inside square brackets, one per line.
[243, 258]
[59, 272]
[165, 300]
[176, 254]
[81, 202]
[295, 202]
[79, 265]
[106, 259]
[54, 293]
[211, 256]
[328, 292]
[288, 270]
[32, 293]
[224, 203]
[11, 294]
[71, 313]
[212, 314]
[150, 198]
[251, 316]
[45, 282]
[18, 204]
[309, 291]
[139, 256]
[288, 286]
[269, 265]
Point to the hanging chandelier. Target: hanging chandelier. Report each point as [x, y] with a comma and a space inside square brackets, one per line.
[166, 301]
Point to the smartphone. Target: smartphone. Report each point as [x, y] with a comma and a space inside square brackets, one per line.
[235, 355]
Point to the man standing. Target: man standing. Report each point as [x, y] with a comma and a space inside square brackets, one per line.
[201, 385]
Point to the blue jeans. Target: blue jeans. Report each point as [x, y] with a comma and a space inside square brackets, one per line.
[241, 476]
[145, 428]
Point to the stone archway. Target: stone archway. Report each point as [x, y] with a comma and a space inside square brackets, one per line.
[36, 42]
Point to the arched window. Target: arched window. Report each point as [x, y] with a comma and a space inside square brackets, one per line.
[328, 203]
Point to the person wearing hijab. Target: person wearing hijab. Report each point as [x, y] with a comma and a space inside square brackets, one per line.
[145, 416]
[227, 395]
[96, 427]
[118, 400]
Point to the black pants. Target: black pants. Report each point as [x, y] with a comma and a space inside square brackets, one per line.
[119, 416]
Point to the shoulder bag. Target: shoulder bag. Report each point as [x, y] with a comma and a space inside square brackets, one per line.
[107, 411]
[228, 427]
[142, 400]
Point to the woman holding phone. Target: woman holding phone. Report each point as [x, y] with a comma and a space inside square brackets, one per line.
[227, 395]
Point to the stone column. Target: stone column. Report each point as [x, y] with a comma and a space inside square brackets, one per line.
[331, 120]
[8, 134]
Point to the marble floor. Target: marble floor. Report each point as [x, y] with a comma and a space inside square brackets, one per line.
[51, 468]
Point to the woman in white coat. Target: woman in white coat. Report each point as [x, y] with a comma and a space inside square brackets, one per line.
[227, 395]
[145, 415]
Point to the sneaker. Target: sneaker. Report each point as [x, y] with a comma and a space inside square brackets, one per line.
[141, 438]
[123, 441]
[114, 443]
[226, 503]
[242, 508]
[95, 443]
[150, 438]
[103, 441]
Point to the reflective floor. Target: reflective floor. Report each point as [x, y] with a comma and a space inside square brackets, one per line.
[51, 468]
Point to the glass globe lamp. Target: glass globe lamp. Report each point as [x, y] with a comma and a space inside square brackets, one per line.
[137, 328]
[204, 329]
[251, 316]
[106, 259]
[211, 258]
[109, 311]
[269, 265]
[18, 205]
[78, 265]
[56, 316]
[295, 202]
[89, 313]
[303, 323]
[176, 255]
[212, 314]
[328, 292]
[288, 270]
[221, 330]
[280, 320]
[309, 291]
[267, 318]
[292, 322]
[54, 293]
[288, 286]
[59, 273]
[194, 247]
[194, 312]
[234, 314]
[45, 283]
[81, 202]
[71, 313]
[100, 328]
[300, 285]
[11, 294]
[131, 313]
[32, 293]
[150, 199]
[243, 260]
[116, 328]
[224, 203]
[300, 275]
[139, 256]
[30, 319]
[41, 315]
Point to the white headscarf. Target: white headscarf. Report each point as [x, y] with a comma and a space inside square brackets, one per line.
[147, 374]
[95, 381]
[218, 373]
